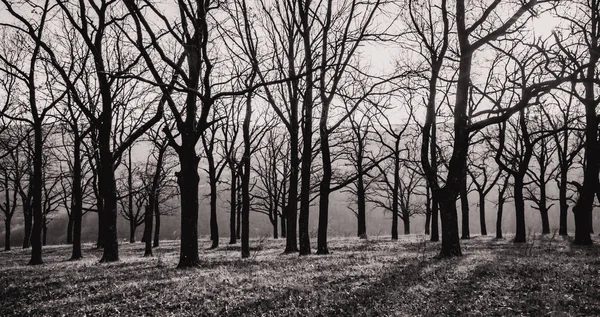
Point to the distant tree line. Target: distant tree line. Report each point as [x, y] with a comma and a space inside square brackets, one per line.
[118, 107]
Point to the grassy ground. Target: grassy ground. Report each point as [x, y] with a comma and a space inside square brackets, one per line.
[545, 277]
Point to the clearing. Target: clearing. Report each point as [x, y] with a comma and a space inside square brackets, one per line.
[546, 276]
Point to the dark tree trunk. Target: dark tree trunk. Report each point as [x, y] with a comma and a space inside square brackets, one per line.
[156, 226]
[283, 224]
[520, 234]
[406, 221]
[324, 188]
[361, 207]
[275, 227]
[214, 226]
[464, 207]
[70, 230]
[7, 221]
[395, 193]
[499, 218]
[76, 201]
[291, 238]
[107, 183]
[44, 235]
[435, 235]
[449, 216]
[428, 212]
[564, 206]
[100, 239]
[238, 230]
[132, 231]
[246, 179]
[36, 205]
[148, 229]
[583, 207]
[28, 220]
[545, 221]
[188, 180]
[482, 224]
[232, 203]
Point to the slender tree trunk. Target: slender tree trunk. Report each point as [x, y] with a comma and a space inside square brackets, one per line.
[246, 180]
[232, 204]
[148, 230]
[100, 238]
[520, 234]
[214, 226]
[324, 187]
[156, 226]
[564, 206]
[464, 207]
[36, 187]
[7, 221]
[361, 207]
[395, 193]
[132, 219]
[283, 225]
[76, 201]
[428, 212]
[499, 218]
[188, 180]
[291, 241]
[482, 224]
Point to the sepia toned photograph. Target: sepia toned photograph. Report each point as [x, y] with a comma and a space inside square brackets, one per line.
[299, 157]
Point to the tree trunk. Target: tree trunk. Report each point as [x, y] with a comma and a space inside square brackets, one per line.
[132, 217]
[28, 220]
[214, 226]
[109, 198]
[188, 180]
[36, 205]
[132, 232]
[232, 203]
[291, 238]
[148, 229]
[246, 179]
[406, 221]
[275, 228]
[7, 221]
[238, 230]
[100, 239]
[324, 188]
[156, 226]
[428, 214]
[283, 224]
[70, 230]
[44, 234]
[449, 216]
[464, 207]
[583, 207]
[499, 218]
[482, 224]
[435, 233]
[520, 234]
[76, 201]
[395, 193]
[360, 191]
[545, 222]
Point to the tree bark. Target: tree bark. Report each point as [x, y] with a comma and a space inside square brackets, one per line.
[76, 200]
[7, 222]
[70, 230]
[520, 234]
[232, 203]
[482, 224]
[36, 205]
[156, 226]
[448, 213]
[324, 186]
[188, 181]
[28, 220]
[464, 207]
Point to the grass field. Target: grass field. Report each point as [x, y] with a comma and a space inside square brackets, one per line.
[545, 277]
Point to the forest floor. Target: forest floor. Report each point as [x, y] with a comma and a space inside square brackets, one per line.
[547, 276]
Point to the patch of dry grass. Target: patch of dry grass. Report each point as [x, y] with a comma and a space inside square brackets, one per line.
[546, 276]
